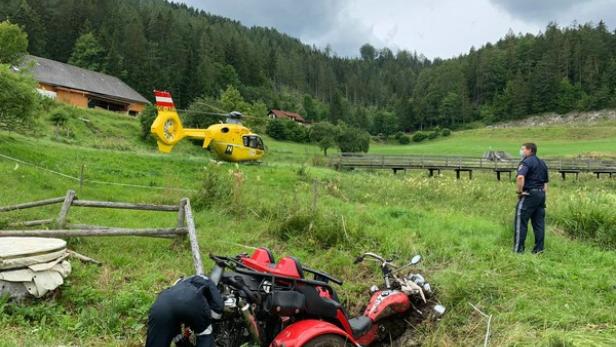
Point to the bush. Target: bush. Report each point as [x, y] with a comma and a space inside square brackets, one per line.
[433, 134]
[18, 98]
[404, 140]
[59, 117]
[146, 118]
[398, 135]
[351, 139]
[13, 43]
[419, 136]
[445, 132]
[295, 132]
[287, 130]
[324, 134]
[276, 129]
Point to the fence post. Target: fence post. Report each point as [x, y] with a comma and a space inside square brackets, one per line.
[68, 200]
[181, 219]
[192, 237]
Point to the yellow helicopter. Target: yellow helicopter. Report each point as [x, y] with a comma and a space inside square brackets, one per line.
[230, 141]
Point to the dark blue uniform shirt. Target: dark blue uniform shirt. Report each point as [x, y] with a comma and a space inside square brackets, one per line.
[534, 171]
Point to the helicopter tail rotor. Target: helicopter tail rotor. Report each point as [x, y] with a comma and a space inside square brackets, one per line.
[167, 127]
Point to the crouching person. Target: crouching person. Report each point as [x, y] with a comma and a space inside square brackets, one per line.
[192, 301]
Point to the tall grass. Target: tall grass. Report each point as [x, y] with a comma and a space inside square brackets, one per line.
[589, 216]
[462, 228]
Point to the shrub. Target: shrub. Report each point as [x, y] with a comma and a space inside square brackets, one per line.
[295, 132]
[146, 118]
[398, 135]
[445, 132]
[18, 98]
[13, 43]
[419, 136]
[404, 140]
[351, 139]
[324, 134]
[59, 117]
[433, 134]
[276, 129]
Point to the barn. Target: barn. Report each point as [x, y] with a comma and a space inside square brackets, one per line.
[84, 88]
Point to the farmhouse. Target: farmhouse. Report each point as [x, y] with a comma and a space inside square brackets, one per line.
[279, 114]
[84, 88]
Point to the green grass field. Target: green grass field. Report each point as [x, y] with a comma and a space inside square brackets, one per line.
[566, 297]
[597, 139]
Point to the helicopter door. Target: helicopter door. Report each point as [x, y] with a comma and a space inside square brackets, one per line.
[253, 141]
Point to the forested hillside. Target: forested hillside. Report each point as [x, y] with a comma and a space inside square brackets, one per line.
[155, 44]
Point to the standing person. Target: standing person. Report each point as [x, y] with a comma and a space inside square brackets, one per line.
[532, 185]
[192, 301]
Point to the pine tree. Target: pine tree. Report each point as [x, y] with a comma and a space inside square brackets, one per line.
[310, 108]
[567, 97]
[31, 22]
[88, 53]
[232, 100]
[338, 109]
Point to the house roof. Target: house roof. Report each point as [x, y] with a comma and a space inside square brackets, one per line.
[289, 115]
[65, 75]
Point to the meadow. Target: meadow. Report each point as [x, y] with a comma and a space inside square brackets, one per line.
[462, 228]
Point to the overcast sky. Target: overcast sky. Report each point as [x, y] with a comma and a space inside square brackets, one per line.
[437, 28]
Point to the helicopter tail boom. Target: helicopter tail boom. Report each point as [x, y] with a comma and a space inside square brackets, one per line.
[167, 128]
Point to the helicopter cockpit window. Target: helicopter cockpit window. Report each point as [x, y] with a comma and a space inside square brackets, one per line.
[253, 142]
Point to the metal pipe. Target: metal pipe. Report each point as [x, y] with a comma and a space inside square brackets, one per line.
[251, 322]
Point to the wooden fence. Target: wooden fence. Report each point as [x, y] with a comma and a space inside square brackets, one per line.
[466, 164]
[185, 224]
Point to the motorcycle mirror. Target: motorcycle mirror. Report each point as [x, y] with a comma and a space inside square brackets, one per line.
[416, 259]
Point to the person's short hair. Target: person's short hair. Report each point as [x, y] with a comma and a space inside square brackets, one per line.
[531, 146]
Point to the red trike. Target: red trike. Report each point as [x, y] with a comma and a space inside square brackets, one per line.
[273, 303]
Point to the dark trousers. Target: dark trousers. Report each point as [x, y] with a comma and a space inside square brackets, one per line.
[179, 304]
[531, 206]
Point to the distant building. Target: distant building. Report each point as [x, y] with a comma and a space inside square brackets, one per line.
[279, 114]
[84, 88]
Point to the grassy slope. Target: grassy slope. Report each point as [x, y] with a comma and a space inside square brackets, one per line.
[552, 141]
[461, 227]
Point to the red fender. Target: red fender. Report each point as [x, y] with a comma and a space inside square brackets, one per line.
[300, 333]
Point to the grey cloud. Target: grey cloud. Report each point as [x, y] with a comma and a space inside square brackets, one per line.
[320, 22]
[561, 11]
[442, 28]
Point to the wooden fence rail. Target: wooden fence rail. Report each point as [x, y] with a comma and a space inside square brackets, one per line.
[185, 223]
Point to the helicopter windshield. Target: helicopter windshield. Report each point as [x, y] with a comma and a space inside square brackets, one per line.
[253, 141]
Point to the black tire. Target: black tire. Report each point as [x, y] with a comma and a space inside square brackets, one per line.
[329, 340]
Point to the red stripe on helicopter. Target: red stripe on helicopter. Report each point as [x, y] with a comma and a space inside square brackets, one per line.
[163, 99]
